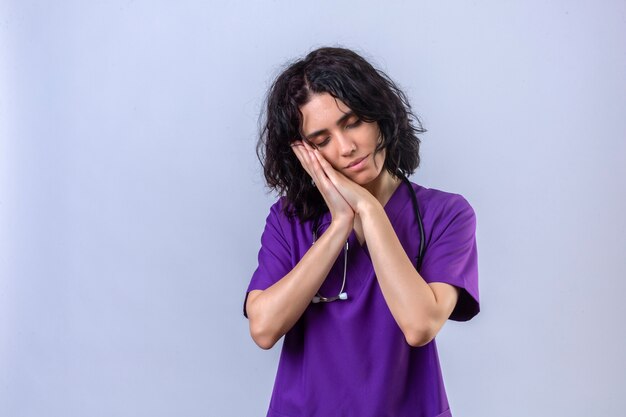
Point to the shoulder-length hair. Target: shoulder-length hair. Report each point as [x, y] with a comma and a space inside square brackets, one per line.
[368, 92]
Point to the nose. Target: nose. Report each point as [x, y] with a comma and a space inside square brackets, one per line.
[346, 145]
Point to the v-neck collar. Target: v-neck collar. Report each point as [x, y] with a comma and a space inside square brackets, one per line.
[389, 203]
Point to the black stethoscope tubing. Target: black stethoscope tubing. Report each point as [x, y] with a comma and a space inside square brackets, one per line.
[418, 216]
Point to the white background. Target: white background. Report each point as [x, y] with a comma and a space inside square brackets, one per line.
[132, 202]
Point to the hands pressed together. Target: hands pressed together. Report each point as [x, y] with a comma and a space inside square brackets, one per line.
[344, 197]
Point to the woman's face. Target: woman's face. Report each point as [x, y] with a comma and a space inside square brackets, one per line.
[344, 140]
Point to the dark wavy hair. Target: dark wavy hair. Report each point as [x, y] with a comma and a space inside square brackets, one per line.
[368, 92]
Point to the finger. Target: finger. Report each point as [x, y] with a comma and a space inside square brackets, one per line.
[300, 152]
[315, 165]
[314, 153]
[335, 176]
[308, 162]
[308, 146]
[317, 156]
[331, 193]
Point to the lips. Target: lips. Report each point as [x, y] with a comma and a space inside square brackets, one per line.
[356, 161]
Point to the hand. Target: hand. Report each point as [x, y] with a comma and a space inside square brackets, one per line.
[339, 208]
[355, 195]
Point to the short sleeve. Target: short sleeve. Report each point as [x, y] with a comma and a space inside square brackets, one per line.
[451, 255]
[274, 255]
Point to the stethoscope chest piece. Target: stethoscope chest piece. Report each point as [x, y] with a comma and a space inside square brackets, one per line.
[342, 294]
[321, 299]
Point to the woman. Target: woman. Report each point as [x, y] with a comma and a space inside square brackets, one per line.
[359, 268]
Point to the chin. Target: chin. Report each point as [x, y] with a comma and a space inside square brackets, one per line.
[364, 178]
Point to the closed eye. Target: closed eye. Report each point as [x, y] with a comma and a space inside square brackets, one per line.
[355, 124]
[324, 142]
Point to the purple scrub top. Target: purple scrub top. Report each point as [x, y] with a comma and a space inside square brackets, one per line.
[350, 358]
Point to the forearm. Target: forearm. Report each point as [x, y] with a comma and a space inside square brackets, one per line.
[275, 310]
[410, 298]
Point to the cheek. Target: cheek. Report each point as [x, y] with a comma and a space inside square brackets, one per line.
[328, 156]
[380, 159]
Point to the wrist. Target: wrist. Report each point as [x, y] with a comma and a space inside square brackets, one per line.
[369, 206]
[342, 225]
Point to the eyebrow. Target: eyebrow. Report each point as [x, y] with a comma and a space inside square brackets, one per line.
[338, 122]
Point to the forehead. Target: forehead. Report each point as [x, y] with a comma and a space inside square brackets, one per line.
[322, 112]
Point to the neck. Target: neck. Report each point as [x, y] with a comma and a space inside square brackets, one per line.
[383, 186]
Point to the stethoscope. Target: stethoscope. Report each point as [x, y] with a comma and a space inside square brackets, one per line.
[418, 263]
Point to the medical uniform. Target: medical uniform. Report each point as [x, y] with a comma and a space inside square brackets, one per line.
[350, 358]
